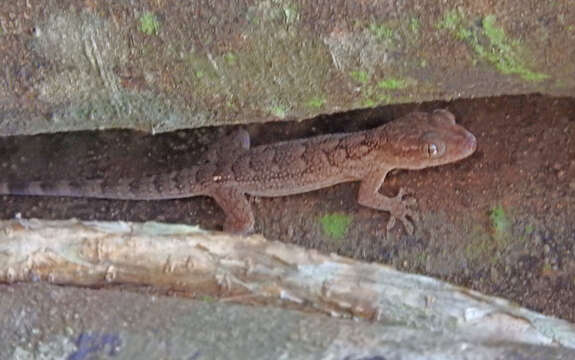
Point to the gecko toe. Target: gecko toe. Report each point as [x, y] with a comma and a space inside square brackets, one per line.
[408, 225]
[238, 227]
[414, 215]
[404, 220]
[410, 201]
[391, 223]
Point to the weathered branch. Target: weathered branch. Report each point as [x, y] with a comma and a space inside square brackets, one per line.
[253, 270]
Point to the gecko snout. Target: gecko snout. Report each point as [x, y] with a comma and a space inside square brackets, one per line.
[469, 144]
[472, 142]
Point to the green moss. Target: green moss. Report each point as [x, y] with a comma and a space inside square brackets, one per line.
[381, 32]
[230, 58]
[490, 43]
[495, 34]
[315, 102]
[208, 299]
[529, 229]
[489, 246]
[384, 99]
[367, 102]
[450, 21]
[454, 22]
[392, 84]
[273, 12]
[360, 76]
[335, 225]
[374, 96]
[291, 14]
[201, 67]
[278, 111]
[252, 69]
[464, 34]
[149, 24]
[503, 53]
[414, 25]
[499, 220]
[500, 227]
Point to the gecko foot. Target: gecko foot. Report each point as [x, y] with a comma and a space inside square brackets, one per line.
[401, 210]
[238, 226]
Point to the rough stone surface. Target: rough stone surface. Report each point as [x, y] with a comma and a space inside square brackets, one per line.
[158, 66]
[46, 322]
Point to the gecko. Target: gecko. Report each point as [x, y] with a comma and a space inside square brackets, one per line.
[232, 169]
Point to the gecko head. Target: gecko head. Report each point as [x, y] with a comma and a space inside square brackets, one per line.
[429, 140]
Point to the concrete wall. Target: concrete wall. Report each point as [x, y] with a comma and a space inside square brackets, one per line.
[160, 66]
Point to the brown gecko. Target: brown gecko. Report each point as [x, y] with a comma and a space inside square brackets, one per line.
[232, 169]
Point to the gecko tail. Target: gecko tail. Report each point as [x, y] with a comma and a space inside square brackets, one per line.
[93, 188]
[154, 187]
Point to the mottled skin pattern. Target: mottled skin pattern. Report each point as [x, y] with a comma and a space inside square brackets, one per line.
[231, 169]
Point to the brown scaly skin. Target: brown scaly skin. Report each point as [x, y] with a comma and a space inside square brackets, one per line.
[232, 169]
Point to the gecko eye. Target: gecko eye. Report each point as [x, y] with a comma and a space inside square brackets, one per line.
[433, 147]
[432, 150]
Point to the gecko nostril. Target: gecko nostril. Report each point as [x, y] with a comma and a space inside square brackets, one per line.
[471, 142]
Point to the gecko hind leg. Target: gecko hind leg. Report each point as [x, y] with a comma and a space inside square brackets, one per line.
[238, 211]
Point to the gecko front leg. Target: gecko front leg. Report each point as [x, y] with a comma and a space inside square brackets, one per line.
[397, 206]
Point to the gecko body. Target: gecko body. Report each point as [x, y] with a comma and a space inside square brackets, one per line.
[232, 169]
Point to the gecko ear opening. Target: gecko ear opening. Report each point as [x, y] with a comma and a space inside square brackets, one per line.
[443, 116]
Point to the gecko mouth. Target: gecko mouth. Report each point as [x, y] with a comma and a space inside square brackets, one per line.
[469, 145]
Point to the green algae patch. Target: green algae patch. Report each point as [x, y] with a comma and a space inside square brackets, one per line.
[490, 43]
[335, 225]
[315, 102]
[451, 21]
[385, 92]
[500, 223]
[360, 76]
[381, 92]
[291, 14]
[208, 299]
[414, 25]
[367, 103]
[230, 58]
[278, 111]
[372, 98]
[381, 31]
[504, 53]
[489, 245]
[284, 74]
[201, 67]
[149, 24]
[392, 84]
